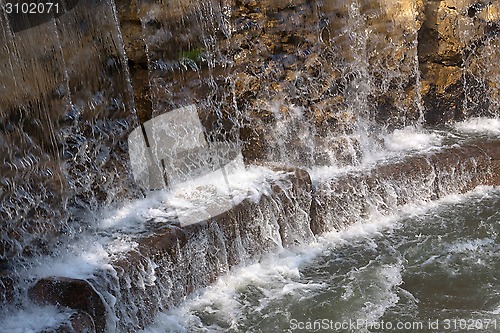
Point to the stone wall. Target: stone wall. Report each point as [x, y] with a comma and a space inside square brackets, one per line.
[315, 67]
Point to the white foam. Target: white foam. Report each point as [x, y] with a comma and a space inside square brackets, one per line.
[79, 261]
[131, 216]
[188, 197]
[324, 173]
[34, 319]
[480, 125]
[411, 138]
[379, 294]
[274, 277]
[117, 227]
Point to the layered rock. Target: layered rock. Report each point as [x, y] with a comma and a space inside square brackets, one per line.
[293, 73]
[301, 72]
[90, 315]
[171, 262]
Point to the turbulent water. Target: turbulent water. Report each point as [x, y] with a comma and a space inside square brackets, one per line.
[429, 268]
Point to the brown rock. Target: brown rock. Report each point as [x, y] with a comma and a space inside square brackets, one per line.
[456, 44]
[75, 294]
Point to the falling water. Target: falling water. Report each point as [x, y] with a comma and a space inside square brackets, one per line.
[65, 108]
[479, 76]
[414, 268]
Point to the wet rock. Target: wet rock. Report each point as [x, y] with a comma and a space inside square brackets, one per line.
[75, 294]
[171, 262]
[299, 53]
[456, 46]
[474, 165]
[70, 75]
[444, 97]
[295, 200]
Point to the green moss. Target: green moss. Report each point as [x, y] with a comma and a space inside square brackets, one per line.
[195, 54]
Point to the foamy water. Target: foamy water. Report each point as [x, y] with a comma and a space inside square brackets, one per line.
[411, 138]
[34, 319]
[400, 143]
[480, 125]
[267, 287]
[272, 291]
[116, 228]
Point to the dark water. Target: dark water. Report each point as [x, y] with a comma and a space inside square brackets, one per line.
[431, 269]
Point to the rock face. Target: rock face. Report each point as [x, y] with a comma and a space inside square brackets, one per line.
[457, 42]
[287, 74]
[79, 322]
[315, 67]
[64, 113]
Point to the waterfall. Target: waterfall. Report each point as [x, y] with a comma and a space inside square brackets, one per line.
[328, 102]
[66, 107]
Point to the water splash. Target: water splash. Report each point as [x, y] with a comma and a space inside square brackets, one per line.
[487, 126]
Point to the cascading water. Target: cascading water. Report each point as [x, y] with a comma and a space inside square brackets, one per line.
[477, 55]
[379, 273]
[330, 88]
[65, 108]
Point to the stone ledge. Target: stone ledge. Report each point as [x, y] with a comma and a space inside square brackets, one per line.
[75, 294]
[172, 262]
[182, 260]
[340, 201]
